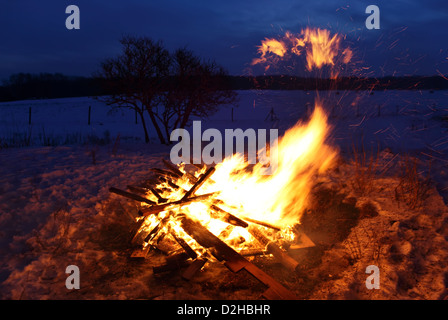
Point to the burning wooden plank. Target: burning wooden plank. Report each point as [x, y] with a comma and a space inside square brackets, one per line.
[234, 261]
[188, 250]
[140, 253]
[218, 213]
[273, 248]
[262, 223]
[199, 183]
[173, 168]
[138, 189]
[158, 222]
[132, 196]
[158, 208]
[160, 199]
[180, 174]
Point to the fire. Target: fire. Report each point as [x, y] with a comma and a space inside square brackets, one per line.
[257, 193]
[281, 197]
[248, 193]
[319, 45]
[278, 48]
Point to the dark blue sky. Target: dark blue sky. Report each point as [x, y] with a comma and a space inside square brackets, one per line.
[413, 38]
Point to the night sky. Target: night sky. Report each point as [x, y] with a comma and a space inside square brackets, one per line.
[413, 39]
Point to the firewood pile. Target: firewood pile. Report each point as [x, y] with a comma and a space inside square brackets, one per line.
[165, 223]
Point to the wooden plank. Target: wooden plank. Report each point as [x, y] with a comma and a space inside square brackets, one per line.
[262, 223]
[272, 248]
[140, 234]
[132, 196]
[158, 208]
[176, 171]
[140, 253]
[234, 261]
[191, 253]
[218, 213]
[165, 173]
[173, 168]
[160, 199]
[199, 183]
[137, 189]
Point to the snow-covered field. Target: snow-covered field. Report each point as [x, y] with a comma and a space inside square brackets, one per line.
[56, 210]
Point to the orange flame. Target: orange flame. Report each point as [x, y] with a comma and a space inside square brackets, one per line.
[278, 199]
[320, 46]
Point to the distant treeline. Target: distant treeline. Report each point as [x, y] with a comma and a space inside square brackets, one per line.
[24, 86]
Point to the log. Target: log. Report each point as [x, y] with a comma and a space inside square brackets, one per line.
[262, 223]
[199, 183]
[173, 168]
[176, 171]
[171, 183]
[137, 189]
[272, 248]
[140, 234]
[218, 213]
[160, 199]
[158, 208]
[252, 252]
[234, 261]
[162, 223]
[140, 253]
[132, 196]
[188, 250]
[226, 232]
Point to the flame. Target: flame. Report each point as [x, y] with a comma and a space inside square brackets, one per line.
[276, 47]
[319, 45]
[279, 198]
[248, 193]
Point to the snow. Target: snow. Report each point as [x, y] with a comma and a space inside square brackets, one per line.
[56, 210]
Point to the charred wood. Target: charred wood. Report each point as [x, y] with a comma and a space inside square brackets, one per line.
[273, 248]
[158, 208]
[132, 196]
[199, 183]
[218, 213]
[234, 261]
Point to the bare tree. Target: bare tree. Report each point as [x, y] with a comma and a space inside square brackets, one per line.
[135, 78]
[197, 88]
[169, 88]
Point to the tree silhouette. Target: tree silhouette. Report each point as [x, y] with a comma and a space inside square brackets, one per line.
[169, 88]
